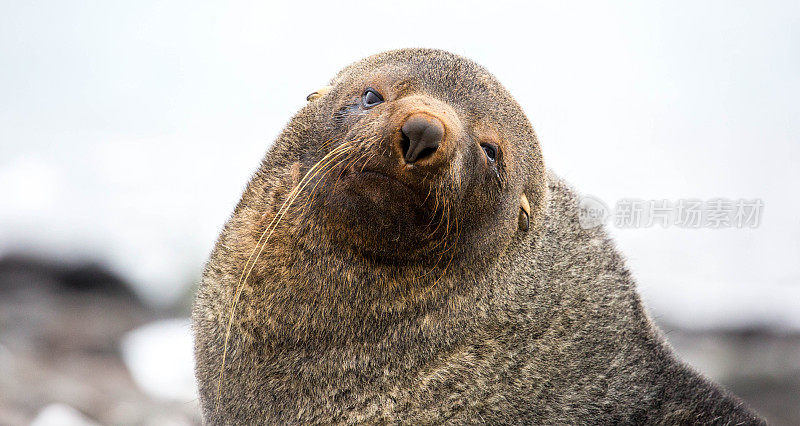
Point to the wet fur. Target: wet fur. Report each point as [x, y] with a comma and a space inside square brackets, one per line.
[501, 326]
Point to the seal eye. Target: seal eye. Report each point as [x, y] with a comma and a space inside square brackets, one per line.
[371, 98]
[490, 150]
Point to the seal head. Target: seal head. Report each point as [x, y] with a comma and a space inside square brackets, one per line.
[430, 153]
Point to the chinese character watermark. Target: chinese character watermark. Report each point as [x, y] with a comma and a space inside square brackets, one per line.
[715, 213]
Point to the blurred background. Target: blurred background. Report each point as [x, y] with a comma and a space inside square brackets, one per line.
[129, 129]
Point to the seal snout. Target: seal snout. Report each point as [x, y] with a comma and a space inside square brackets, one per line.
[421, 136]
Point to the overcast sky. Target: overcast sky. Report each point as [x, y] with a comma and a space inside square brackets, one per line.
[128, 129]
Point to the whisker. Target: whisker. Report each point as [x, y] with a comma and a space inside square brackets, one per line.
[446, 213]
[355, 160]
[436, 199]
[443, 252]
[436, 206]
[335, 163]
[373, 155]
[260, 247]
[452, 255]
[325, 176]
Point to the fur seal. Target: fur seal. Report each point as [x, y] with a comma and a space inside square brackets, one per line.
[402, 255]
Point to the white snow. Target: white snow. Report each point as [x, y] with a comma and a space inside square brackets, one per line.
[59, 414]
[160, 358]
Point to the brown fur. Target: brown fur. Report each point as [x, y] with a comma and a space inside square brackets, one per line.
[423, 299]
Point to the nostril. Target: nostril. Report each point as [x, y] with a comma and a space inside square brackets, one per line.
[426, 152]
[421, 136]
[404, 143]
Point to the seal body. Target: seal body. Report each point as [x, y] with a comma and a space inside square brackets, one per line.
[402, 256]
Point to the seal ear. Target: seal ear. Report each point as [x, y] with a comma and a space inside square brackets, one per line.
[319, 93]
[524, 213]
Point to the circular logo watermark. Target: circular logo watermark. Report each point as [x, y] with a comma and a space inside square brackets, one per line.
[592, 212]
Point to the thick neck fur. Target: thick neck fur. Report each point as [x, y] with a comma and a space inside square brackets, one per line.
[558, 335]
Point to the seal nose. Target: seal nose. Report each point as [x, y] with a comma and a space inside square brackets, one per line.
[422, 135]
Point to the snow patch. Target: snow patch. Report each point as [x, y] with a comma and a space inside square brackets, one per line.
[160, 358]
